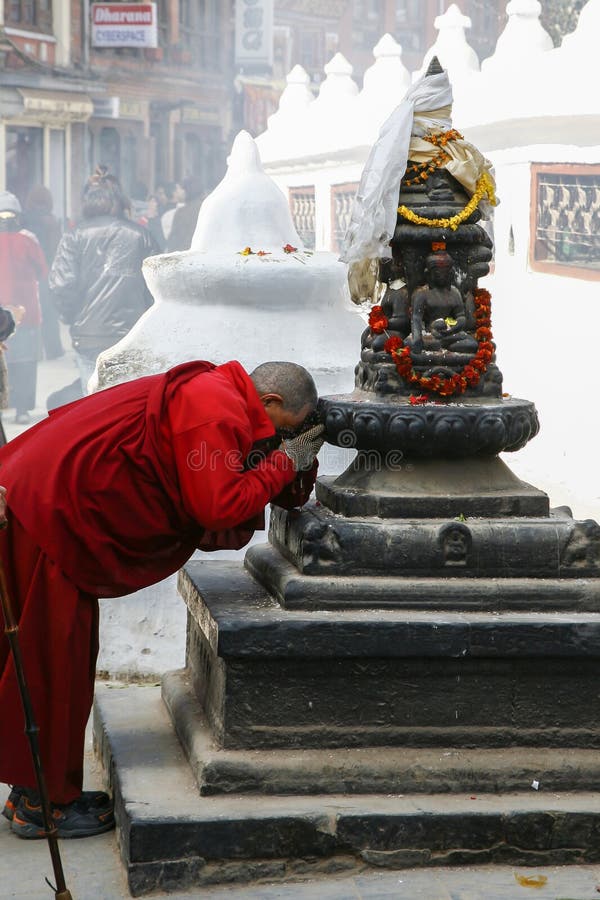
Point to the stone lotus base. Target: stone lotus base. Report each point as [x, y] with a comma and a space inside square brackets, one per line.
[462, 428]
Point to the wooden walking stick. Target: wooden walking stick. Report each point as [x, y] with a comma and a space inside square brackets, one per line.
[11, 629]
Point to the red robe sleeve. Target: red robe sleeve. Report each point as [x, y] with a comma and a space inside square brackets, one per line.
[298, 492]
[214, 487]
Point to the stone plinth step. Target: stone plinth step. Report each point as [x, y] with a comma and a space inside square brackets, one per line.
[367, 770]
[429, 489]
[319, 543]
[269, 677]
[434, 591]
[171, 838]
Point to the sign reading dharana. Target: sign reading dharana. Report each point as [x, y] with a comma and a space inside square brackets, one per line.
[124, 25]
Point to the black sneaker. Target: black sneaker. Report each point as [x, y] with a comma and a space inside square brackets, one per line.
[11, 804]
[98, 800]
[72, 820]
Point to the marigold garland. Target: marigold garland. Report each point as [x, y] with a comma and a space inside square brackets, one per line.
[485, 187]
[441, 138]
[470, 374]
[423, 170]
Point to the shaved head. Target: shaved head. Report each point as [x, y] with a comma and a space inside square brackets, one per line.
[292, 382]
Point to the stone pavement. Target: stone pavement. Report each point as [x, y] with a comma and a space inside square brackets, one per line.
[53, 374]
[93, 871]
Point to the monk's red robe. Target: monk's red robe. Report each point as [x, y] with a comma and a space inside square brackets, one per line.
[110, 494]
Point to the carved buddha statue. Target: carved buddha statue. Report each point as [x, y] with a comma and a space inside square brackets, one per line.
[439, 316]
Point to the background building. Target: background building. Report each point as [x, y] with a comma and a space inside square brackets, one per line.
[152, 114]
[309, 33]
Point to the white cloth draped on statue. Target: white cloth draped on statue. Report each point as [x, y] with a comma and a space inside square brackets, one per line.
[426, 109]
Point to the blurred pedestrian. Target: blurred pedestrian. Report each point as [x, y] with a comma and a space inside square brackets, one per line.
[185, 217]
[39, 219]
[161, 196]
[7, 327]
[151, 221]
[175, 199]
[96, 279]
[22, 267]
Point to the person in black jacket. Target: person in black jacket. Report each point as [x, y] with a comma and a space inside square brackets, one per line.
[96, 279]
[186, 216]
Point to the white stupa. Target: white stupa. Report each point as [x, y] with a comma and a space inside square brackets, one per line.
[214, 302]
[451, 47]
[286, 129]
[521, 42]
[384, 86]
[331, 119]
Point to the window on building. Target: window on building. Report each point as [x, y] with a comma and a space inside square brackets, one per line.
[565, 236]
[488, 19]
[57, 170]
[200, 27]
[109, 150]
[163, 23]
[130, 167]
[312, 51]
[302, 207]
[30, 13]
[342, 201]
[24, 159]
[367, 24]
[411, 25]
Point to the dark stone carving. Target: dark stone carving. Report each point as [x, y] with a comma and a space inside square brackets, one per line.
[583, 547]
[455, 541]
[433, 430]
[317, 542]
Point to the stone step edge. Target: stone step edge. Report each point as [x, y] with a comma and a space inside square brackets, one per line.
[368, 770]
[173, 840]
[338, 590]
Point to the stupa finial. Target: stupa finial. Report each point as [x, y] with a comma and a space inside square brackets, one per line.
[435, 67]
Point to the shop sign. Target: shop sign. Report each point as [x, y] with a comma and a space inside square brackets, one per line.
[254, 33]
[124, 25]
[132, 109]
[54, 106]
[106, 107]
[205, 115]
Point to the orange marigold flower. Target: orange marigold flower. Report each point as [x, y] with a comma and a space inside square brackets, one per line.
[264, 253]
[392, 344]
[483, 334]
[289, 249]
[415, 401]
[247, 251]
[377, 320]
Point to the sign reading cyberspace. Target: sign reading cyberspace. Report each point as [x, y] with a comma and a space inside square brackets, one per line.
[124, 25]
[254, 33]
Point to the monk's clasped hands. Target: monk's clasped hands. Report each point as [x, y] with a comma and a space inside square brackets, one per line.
[303, 449]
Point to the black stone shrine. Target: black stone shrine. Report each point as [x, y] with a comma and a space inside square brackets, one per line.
[426, 630]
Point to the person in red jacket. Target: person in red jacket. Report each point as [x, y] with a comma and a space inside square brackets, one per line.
[23, 266]
[133, 480]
